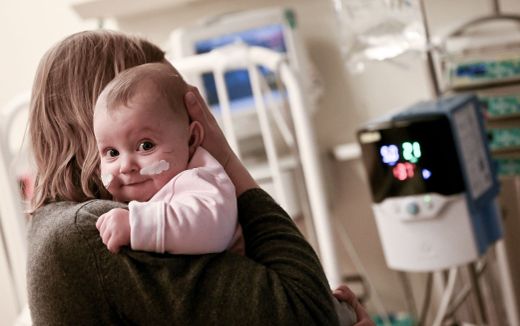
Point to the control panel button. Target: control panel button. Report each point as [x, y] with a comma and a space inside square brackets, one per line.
[412, 208]
[428, 202]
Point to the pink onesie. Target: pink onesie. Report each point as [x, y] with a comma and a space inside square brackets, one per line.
[194, 213]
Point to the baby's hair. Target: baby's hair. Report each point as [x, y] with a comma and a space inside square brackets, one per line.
[68, 81]
[165, 82]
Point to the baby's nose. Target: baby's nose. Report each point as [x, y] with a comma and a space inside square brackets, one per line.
[127, 164]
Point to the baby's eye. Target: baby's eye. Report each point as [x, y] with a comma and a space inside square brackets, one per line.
[112, 152]
[146, 146]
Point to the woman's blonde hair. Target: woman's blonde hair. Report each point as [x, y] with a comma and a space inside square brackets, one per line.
[68, 81]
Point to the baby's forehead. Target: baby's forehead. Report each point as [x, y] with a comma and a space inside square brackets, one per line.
[170, 89]
[147, 76]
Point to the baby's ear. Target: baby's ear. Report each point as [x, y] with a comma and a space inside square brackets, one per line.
[196, 136]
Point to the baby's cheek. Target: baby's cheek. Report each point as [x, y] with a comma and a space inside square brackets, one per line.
[114, 188]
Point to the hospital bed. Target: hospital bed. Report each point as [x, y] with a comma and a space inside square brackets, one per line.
[293, 126]
[12, 217]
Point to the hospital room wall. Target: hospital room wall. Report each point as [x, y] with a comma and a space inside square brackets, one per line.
[29, 27]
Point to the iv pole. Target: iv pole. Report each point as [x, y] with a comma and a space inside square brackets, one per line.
[429, 57]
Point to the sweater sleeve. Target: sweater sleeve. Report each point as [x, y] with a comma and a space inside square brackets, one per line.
[287, 266]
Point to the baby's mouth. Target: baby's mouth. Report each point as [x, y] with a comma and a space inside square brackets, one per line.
[135, 182]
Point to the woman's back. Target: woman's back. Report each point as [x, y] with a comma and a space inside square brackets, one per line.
[72, 277]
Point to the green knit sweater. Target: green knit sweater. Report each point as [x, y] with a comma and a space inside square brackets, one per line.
[74, 280]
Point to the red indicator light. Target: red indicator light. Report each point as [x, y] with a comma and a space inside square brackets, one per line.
[403, 171]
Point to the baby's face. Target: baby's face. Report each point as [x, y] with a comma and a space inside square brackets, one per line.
[142, 146]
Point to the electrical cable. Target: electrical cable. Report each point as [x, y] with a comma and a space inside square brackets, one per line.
[479, 300]
[408, 294]
[446, 297]
[462, 294]
[426, 300]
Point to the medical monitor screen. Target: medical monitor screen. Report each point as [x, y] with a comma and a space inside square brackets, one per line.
[237, 81]
[411, 158]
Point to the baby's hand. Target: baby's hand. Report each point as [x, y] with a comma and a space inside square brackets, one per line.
[114, 228]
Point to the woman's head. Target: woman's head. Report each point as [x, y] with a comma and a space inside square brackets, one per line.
[68, 81]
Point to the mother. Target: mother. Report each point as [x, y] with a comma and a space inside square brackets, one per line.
[74, 279]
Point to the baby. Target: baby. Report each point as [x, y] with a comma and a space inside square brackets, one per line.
[180, 199]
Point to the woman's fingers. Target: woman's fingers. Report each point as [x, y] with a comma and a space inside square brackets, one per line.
[194, 110]
[197, 109]
[343, 293]
[216, 143]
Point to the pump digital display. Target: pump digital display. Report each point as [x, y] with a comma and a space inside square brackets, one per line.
[411, 153]
[410, 158]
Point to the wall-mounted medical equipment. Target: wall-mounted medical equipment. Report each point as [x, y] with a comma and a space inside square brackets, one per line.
[433, 184]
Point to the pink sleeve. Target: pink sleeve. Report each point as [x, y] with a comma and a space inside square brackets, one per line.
[195, 213]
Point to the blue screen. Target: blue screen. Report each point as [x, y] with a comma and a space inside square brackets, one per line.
[237, 81]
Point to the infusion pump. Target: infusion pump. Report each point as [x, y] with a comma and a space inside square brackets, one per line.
[433, 184]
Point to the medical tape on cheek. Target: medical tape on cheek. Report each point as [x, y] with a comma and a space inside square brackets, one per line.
[155, 168]
[107, 179]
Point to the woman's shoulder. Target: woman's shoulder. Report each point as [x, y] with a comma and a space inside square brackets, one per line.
[59, 215]
[64, 232]
[62, 245]
[63, 224]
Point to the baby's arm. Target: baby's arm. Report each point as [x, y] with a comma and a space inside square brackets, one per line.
[114, 228]
[199, 216]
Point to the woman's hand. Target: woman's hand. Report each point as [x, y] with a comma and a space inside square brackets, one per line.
[343, 293]
[215, 142]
